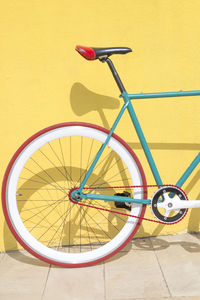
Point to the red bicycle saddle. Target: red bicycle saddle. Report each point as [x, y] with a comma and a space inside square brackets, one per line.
[94, 53]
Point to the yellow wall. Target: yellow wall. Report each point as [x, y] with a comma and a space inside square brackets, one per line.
[42, 76]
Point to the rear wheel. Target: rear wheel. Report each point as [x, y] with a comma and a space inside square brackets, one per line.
[36, 187]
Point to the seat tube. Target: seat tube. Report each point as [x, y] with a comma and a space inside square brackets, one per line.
[142, 139]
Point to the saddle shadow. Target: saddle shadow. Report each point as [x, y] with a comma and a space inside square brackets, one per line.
[84, 101]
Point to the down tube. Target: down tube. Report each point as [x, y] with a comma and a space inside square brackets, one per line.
[142, 140]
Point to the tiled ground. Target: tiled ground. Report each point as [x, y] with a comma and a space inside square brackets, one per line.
[165, 267]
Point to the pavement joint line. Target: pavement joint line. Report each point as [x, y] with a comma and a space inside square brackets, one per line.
[154, 250]
[2, 255]
[42, 297]
[104, 280]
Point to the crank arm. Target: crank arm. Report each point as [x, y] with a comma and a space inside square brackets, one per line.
[176, 204]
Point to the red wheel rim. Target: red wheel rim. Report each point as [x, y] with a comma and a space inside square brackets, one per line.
[5, 180]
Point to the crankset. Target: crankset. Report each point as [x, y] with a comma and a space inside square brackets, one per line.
[166, 204]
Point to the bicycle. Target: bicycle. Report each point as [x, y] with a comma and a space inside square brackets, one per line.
[60, 200]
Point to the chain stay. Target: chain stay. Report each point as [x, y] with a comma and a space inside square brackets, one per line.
[129, 187]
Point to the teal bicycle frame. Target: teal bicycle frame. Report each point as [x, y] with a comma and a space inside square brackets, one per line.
[128, 105]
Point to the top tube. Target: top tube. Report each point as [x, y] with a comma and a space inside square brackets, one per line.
[163, 95]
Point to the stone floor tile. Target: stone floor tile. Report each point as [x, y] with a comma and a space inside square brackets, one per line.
[134, 275]
[142, 244]
[15, 296]
[22, 275]
[1, 255]
[179, 258]
[170, 298]
[138, 244]
[75, 283]
[189, 241]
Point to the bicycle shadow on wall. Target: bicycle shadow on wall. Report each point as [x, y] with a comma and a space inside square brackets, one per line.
[84, 101]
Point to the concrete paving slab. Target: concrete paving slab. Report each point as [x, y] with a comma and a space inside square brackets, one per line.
[20, 297]
[75, 283]
[134, 275]
[138, 244]
[1, 256]
[179, 258]
[20, 278]
[171, 298]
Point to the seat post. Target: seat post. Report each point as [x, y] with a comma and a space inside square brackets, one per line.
[115, 74]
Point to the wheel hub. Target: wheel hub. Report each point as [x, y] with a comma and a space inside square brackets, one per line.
[74, 195]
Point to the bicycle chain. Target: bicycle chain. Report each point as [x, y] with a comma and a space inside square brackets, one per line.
[128, 187]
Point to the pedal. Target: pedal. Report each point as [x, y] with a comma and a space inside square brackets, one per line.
[120, 204]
